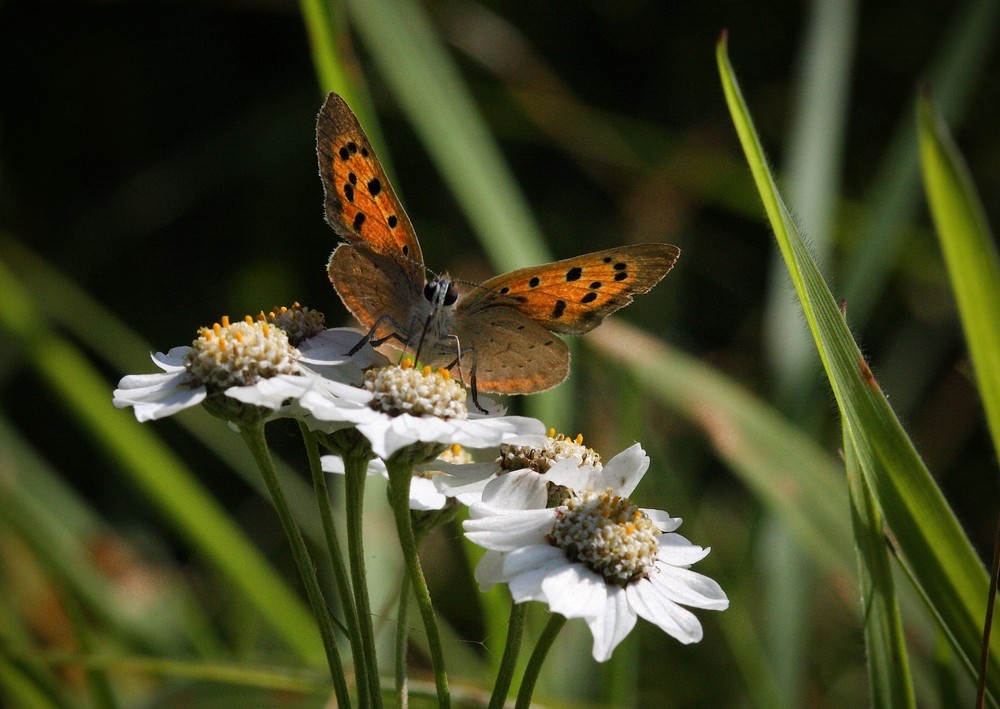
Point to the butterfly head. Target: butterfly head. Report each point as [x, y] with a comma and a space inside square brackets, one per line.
[441, 292]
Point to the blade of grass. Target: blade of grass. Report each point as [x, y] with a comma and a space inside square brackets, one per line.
[932, 543]
[885, 645]
[969, 253]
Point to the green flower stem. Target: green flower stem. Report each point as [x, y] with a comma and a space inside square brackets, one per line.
[399, 497]
[254, 437]
[356, 470]
[508, 663]
[402, 641]
[342, 578]
[545, 640]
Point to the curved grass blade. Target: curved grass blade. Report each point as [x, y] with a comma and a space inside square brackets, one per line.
[969, 253]
[933, 545]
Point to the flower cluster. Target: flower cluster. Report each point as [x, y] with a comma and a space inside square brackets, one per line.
[558, 524]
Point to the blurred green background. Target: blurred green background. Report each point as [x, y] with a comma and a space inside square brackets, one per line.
[160, 157]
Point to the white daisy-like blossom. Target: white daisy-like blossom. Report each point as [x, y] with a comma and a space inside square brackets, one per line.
[595, 556]
[529, 457]
[401, 405]
[253, 361]
[424, 495]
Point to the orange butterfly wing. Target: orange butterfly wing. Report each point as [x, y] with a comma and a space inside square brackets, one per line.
[360, 203]
[574, 295]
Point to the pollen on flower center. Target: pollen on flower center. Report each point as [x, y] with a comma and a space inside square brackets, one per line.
[238, 354]
[299, 322]
[408, 390]
[607, 534]
[556, 448]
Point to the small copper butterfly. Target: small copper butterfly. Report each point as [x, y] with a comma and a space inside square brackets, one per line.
[499, 331]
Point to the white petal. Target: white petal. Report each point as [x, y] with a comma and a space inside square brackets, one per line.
[570, 472]
[664, 613]
[465, 482]
[531, 558]
[489, 570]
[517, 490]
[424, 496]
[168, 394]
[610, 627]
[623, 472]
[663, 521]
[678, 551]
[268, 393]
[527, 586]
[335, 464]
[688, 587]
[507, 532]
[577, 592]
[172, 361]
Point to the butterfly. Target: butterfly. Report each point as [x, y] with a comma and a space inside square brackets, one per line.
[500, 331]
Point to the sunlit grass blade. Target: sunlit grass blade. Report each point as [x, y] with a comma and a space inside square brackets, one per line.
[932, 543]
[969, 253]
[153, 468]
[888, 664]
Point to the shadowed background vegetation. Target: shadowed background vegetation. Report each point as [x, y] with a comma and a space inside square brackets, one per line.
[158, 170]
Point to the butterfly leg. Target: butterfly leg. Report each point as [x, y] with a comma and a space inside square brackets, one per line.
[370, 338]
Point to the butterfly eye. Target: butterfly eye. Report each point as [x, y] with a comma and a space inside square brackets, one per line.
[451, 295]
[430, 290]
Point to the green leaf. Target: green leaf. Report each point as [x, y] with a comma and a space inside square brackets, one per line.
[940, 558]
[885, 645]
[969, 253]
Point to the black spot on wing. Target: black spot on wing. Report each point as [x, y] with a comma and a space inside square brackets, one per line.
[620, 266]
[392, 221]
[343, 154]
[557, 311]
[574, 273]
[621, 275]
[533, 283]
[359, 219]
[589, 297]
[374, 187]
[595, 285]
[352, 178]
[349, 192]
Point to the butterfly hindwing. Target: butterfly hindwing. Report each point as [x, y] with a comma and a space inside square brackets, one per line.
[574, 295]
[511, 353]
[361, 205]
[375, 288]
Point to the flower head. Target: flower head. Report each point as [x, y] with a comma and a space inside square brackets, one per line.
[247, 368]
[401, 406]
[529, 458]
[595, 556]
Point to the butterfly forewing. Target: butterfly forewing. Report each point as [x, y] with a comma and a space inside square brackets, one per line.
[574, 295]
[360, 203]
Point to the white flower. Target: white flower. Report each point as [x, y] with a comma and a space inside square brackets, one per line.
[401, 405]
[250, 361]
[596, 556]
[531, 456]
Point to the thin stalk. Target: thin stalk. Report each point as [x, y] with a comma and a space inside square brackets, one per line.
[402, 642]
[984, 659]
[399, 498]
[356, 470]
[508, 663]
[545, 640]
[341, 577]
[254, 437]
